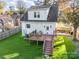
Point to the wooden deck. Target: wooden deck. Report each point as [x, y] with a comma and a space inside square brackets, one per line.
[47, 42]
[40, 37]
[37, 37]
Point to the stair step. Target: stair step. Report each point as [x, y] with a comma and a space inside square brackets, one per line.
[47, 48]
[48, 52]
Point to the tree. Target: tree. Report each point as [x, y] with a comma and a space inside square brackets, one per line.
[72, 17]
[2, 4]
[46, 2]
[21, 6]
[12, 8]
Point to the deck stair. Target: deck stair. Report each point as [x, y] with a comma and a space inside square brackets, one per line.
[47, 47]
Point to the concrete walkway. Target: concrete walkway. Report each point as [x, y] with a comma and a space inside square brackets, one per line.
[76, 43]
[77, 47]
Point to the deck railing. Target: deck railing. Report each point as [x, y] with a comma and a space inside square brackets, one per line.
[8, 33]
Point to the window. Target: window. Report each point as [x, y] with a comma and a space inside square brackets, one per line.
[38, 15]
[47, 28]
[28, 25]
[34, 14]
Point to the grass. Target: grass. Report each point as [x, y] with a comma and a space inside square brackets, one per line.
[64, 48]
[15, 47]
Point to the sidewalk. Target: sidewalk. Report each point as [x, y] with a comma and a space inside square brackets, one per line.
[76, 43]
[77, 47]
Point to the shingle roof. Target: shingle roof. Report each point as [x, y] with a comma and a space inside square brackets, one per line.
[24, 17]
[52, 15]
[39, 7]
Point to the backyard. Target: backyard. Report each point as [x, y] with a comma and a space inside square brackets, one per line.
[64, 48]
[15, 47]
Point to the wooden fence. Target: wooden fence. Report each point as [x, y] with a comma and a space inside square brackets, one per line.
[8, 33]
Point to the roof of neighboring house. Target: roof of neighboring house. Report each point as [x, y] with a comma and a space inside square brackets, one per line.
[52, 15]
[6, 21]
[6, 18]
[39, 7]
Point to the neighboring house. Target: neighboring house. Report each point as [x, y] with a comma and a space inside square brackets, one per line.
[40, 19]
[1, 25]
[6, 22]
[16, 19]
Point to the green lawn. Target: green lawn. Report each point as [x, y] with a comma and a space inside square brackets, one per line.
[15, 47]
[64, 49]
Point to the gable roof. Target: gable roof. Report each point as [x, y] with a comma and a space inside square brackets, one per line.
[24, 17]
[39, 7]
[52, 15]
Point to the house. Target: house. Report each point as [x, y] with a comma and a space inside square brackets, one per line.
[40, 19]
[6, 22]
[16, 19]
[1, 24]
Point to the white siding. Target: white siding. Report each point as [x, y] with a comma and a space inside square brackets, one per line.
[39, 26]
[43, 14]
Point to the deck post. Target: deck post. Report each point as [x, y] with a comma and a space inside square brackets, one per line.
[29, 41]
[37, 42]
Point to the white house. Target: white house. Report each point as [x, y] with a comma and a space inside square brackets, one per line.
[40, 19]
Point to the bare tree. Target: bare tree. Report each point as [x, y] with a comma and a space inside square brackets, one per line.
[46, 2]
[73, 18]
[11, 8]
[21, 6]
